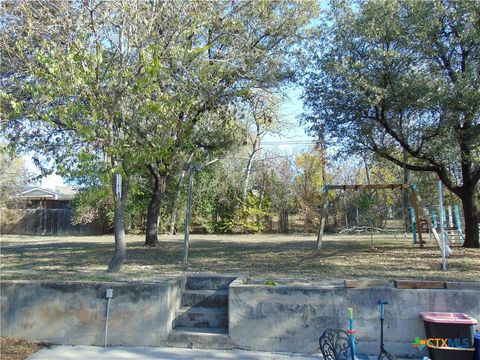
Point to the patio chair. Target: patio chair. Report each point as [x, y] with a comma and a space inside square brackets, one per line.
[335, 345]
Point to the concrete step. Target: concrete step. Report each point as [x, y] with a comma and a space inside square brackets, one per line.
[205, 298]
[202, 317]
[208, 282]
[195, 338]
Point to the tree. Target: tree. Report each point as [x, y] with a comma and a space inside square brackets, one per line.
[75, 69]
[13, 176]
[232, 53]
[309, 186]
[400, 79]
[281, 188]
[138, 84]
[261, 118]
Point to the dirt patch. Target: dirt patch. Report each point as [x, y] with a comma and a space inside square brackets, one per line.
[18, 349]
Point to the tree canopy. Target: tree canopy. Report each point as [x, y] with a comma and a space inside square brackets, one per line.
[138, 85]
[400, 79]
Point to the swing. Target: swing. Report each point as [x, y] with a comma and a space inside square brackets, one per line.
[325, 206]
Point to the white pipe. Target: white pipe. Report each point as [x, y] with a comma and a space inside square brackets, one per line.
[108, 295]
[118, 186]
[450, 216]
[106, 323]
[442, 228]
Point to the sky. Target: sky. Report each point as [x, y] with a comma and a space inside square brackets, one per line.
[294, 138]
[292, 141]
[50, 181]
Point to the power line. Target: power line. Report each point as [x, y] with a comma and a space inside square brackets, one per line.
[291, 142]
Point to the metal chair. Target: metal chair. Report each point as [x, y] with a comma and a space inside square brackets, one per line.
[335, 345]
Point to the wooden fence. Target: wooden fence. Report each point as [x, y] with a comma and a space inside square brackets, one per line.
[45, 222]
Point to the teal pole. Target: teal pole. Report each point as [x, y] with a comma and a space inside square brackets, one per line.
[351, 332]
[458, 223]
[442, 225]
[414, 224]
[434, 219]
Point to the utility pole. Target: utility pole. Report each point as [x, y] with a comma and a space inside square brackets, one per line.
[191, 168]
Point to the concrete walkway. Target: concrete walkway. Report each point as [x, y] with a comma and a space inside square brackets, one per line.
[150, 353]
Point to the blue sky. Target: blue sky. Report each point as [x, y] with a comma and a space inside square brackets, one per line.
[294, 139]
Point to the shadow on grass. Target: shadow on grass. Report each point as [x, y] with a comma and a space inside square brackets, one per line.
[33, 255]
[338, 258]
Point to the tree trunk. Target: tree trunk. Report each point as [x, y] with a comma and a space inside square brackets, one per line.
[268, 224]
[246, 178]
[173, 216]
[283, 222]
[472, 218]
[119, 225]
[405, 196]
[153, 212]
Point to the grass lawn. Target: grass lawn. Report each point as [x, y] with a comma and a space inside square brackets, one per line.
[263, 256]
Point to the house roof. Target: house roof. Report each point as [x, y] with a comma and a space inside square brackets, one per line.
[36, 193]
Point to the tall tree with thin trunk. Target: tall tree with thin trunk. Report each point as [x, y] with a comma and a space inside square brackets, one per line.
[261, 118]
[309, 184]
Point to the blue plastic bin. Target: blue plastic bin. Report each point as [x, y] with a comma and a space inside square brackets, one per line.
[476, 344]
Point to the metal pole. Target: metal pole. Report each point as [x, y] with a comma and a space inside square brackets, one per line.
[414, 224]
[458, 223]
[192, 167]
[323, 217]
[187, 216]
[351, 332]
[442, 228]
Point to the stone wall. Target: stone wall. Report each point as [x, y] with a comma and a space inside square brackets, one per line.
[292, 318]
[74, 312]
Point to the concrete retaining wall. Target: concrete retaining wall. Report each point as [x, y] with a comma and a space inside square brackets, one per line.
[292, 318]
[268, 318]
[74, 312]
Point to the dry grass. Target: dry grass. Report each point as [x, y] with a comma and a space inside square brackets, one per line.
[265, 256]
[18, 349]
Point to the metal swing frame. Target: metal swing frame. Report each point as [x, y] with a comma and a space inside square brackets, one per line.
[327, 188]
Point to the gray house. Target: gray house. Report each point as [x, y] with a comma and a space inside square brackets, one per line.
[42, 198]
[42, 211]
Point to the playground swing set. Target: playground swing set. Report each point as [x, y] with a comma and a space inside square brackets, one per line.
[448, 234]
[453, 225]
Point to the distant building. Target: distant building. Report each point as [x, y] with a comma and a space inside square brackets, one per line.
[42, 211]
[41, 198]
